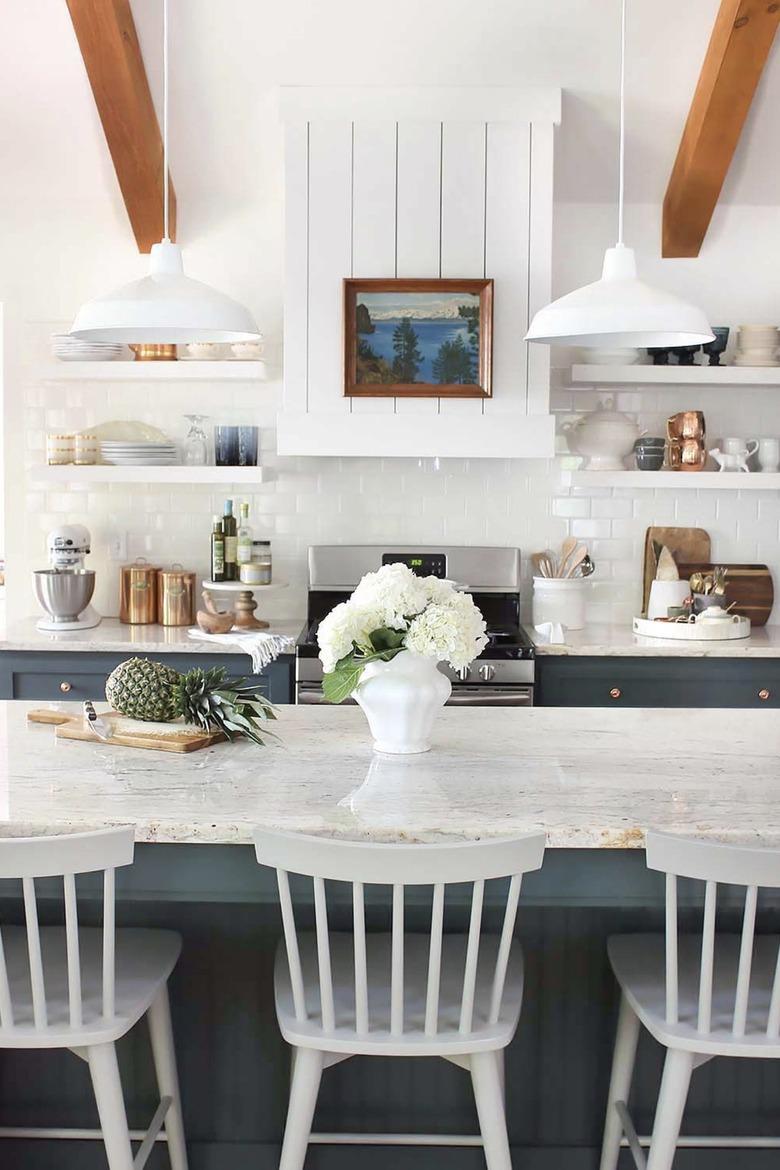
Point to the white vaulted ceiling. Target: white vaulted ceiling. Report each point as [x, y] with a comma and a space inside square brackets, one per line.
[237, 51]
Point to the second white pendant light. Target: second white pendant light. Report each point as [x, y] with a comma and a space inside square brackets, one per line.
[619, 309]
[166, 306]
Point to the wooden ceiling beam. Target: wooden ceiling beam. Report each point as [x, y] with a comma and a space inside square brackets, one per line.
[107, 37]
[739, 46]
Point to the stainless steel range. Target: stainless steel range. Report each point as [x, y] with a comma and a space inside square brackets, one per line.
[502, 676]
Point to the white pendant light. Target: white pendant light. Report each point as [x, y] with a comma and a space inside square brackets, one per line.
[619, 309]
[166, 306]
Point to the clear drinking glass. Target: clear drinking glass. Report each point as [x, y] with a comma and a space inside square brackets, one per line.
[196, 445]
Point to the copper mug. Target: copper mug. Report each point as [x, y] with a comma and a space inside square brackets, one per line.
[688, 424]
[138, 593]
[686, 454]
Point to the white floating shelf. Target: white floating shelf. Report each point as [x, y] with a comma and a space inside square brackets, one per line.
[179, 371]
[682, 480]
[639, 375]
[103, 473]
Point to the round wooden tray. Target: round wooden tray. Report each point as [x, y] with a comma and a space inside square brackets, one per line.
[737, 627]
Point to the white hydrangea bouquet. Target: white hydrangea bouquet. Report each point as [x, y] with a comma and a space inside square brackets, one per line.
[393, 631]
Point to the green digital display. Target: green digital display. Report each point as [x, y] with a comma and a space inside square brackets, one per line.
[423, 564]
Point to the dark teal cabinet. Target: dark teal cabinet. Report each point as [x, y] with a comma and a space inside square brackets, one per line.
[78, 675]
[573, 681]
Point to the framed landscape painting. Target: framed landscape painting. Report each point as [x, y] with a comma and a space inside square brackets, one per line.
[418, 338]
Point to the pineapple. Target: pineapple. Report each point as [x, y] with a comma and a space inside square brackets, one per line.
[153, 692]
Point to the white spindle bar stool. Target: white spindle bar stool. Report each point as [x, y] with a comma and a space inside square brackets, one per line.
[84, 988]
[402, 993]
[713, 994]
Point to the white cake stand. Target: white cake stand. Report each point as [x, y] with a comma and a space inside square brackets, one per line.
[244, 604]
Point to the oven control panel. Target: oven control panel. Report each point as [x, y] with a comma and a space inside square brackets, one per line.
[421, 564]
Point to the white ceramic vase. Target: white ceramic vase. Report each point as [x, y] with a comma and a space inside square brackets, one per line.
[401, 700]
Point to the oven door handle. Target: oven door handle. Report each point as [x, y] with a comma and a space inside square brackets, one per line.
[491, 697]
[310, 694]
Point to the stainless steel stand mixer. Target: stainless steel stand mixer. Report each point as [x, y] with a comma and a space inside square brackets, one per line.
[65, 589]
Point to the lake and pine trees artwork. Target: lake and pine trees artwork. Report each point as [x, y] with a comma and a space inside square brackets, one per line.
[418, 338]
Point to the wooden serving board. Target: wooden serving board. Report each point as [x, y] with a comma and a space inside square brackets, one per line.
[685, 544]
[129, 732]
[750, 587]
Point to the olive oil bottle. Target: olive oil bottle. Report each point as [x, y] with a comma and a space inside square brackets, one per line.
[230, 529]
[217, 551]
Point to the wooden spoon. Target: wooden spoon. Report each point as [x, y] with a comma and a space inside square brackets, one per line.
[577, 560]
[567, 548]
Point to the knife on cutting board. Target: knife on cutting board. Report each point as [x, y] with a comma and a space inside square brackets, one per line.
[92, 720]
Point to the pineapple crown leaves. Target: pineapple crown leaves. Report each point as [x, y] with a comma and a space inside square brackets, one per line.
[233, 706]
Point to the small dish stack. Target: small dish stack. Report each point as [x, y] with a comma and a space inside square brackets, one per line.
[757, 345]
[72, 349]
[137, 454]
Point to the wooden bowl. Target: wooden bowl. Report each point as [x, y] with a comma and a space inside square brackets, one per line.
[214, 623]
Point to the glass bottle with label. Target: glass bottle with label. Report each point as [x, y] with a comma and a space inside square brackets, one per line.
[244, 547]
[217, 551]
[230, 529]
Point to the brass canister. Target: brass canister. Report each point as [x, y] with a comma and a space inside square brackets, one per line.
[176, 596]
[138, 593]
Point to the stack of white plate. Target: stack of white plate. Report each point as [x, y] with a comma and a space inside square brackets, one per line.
[137, 454]
[757, 345]
[71, 349]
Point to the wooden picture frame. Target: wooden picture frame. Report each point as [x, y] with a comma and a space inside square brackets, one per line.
[453, 361]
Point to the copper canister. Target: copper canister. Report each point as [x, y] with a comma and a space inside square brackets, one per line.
[138, 593]
[176, 596]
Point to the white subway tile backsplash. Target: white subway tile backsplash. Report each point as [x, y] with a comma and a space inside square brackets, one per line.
[571, 507]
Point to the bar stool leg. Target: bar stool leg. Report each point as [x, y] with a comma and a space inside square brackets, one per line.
[486, 1080]
[620, 1082]
[678, 1067]
[104, 1071]
[307, 1071]
[164, 1053]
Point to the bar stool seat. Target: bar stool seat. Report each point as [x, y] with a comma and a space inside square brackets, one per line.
[380, 1040]
[144, 961]
[638, 962]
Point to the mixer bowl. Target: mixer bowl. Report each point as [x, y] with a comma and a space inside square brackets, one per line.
[64, 593]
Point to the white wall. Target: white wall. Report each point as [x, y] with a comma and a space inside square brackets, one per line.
[64, 237]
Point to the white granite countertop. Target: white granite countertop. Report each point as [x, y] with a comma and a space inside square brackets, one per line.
[619, 641]
[592, 778]
[113, 636]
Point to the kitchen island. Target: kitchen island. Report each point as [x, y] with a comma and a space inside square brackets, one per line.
[593, 779]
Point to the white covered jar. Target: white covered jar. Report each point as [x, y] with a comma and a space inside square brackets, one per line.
[401, 699]
[605, 437]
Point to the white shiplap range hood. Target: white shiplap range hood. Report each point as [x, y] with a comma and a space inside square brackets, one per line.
[408, 182]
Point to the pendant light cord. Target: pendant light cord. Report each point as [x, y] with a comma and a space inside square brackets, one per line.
[165, 120]
[622, 154]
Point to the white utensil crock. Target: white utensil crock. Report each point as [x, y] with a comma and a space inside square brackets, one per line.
[401, 700]
[560, 599]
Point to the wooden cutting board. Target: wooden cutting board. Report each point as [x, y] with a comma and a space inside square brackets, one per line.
[686, 545]
[750, 587]
[129, 732]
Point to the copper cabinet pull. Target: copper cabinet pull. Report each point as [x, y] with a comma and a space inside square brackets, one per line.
[65, 687]
[764, 694]
[615, 693]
